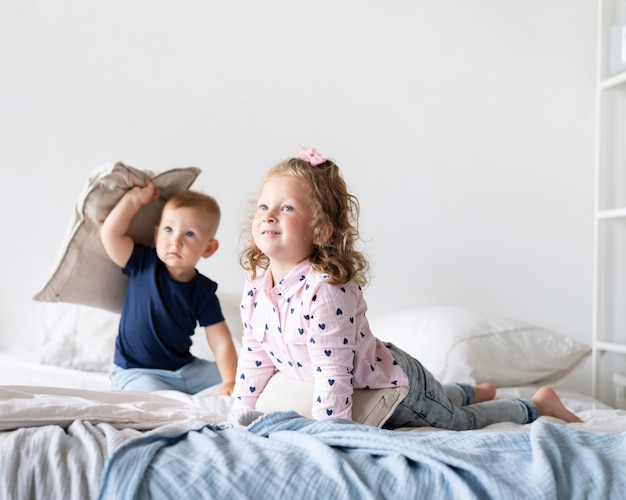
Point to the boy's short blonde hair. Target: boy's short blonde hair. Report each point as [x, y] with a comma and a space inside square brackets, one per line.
[201, 201]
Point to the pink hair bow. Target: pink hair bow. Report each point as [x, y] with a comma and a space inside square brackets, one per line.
[310, 156]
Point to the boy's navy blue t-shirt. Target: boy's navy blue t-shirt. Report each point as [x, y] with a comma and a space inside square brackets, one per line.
[160, 314]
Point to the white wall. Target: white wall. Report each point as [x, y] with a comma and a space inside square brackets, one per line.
[465, 128]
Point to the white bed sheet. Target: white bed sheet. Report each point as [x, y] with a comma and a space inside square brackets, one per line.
[19, 366]
[25, 406]
[33, 394]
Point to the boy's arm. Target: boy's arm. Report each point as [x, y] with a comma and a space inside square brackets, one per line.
[221, 343]
[113, 233]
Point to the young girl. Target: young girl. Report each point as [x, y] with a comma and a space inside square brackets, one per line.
[303, 313]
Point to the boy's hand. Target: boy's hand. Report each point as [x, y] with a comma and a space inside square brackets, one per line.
[221, 343]
[227, 388]
[113, 233]
[146, 194]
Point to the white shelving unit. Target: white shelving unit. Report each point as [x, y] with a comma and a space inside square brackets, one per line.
[609, 335]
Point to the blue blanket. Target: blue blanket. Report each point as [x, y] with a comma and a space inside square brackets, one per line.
[284, 455]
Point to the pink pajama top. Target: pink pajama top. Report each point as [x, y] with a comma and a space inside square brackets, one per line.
[315, 331]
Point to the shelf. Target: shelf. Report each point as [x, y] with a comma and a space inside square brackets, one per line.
[619, 381]
[610, 347]
[609, 295]
[613, 213]
[613, 81]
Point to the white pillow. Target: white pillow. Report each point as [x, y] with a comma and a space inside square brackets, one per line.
[84, 273]
[83, 337]
[458, 345]
[79, 337]
[369, 406]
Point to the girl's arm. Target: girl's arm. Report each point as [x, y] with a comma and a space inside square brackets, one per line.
[254, 369]
[221, 343]
[113, 233]
[331, 346]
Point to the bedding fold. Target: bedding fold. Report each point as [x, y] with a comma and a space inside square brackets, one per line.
[26, 406]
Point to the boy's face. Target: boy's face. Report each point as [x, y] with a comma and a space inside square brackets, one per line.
[182, 237]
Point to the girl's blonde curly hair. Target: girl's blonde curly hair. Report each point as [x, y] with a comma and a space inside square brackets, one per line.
[331, 206]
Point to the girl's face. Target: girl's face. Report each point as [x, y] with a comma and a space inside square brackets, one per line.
[282, 225]
[182, 238]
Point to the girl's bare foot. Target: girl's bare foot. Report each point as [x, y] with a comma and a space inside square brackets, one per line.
[549, 404]
[484, 392]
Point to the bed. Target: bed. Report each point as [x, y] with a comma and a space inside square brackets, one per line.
[64, 433]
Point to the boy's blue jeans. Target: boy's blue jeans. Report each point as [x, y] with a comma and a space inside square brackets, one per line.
[191, 378]
[431, 404]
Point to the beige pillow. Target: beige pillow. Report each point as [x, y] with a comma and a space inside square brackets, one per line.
[474, 348]
[369, 406]
[84, 273]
